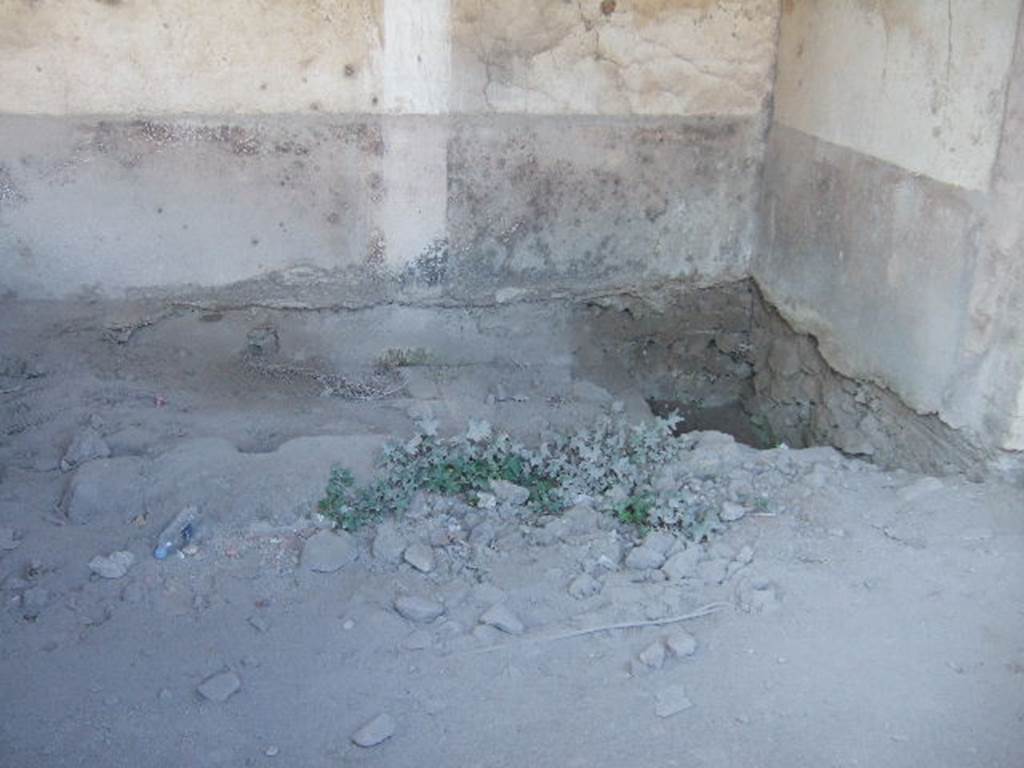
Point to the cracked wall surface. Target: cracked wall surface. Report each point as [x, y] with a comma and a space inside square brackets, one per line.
[907, 273]
[643, 57]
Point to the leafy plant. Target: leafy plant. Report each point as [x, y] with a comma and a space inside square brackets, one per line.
[616, 465]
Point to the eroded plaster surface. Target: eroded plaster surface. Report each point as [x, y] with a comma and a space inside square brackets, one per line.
[905, 280]
[920, 85]
[614, 57]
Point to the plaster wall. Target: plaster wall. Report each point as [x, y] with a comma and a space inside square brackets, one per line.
[895, 239]
[542, 146]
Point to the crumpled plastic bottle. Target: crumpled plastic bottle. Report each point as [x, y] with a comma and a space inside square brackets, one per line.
[182, 531]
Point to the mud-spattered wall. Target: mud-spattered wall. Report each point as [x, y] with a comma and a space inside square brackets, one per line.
[376, 148]
[893, 207]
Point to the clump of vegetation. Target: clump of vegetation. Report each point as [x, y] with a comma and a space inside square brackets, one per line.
[615, 464]
[395, 357]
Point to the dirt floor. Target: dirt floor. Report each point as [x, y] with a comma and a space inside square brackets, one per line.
[855, 617]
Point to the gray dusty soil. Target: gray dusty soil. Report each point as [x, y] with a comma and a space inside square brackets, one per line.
[856, 618]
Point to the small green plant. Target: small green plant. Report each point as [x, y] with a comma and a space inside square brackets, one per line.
[618, 466]
[396, 357]
[636, 510]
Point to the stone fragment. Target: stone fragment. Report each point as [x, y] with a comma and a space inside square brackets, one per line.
[653, 656]
[682, 565]
[681, 644]
[644, 558]
[660, 542]
[388, 544]
[420, 609]
[327, 551]
[420, 557]
[671, 701]
[220, 687]
[375, 732]
[510, 493]
[581, 518]
[501, 617]
[259, 623]
[731, 512]
[714, 571]
[584, 586]
[113, 566]
[486, 501]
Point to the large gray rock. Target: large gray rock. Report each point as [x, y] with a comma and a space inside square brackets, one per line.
[327, 551]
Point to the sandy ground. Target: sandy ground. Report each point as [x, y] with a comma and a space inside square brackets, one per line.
[858, 618]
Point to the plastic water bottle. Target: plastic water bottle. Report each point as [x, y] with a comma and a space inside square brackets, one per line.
[181, 532]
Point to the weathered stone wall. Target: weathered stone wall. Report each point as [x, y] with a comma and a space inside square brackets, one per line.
[893, 199]
[336, 149]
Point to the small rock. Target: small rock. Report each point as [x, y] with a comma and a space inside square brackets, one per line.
[510, 493]
[420, 557]
[482, 534]
[745, 555]
[653, 656]
[486, 501]
[584, 586]
[671, 701]
[219, 687]
[114, 566]
[8, 540]
[486, 634]
[259, 623]
[375, 732]
[660, 542]
[731, 512]
[714, 571]
[682, 565]
[418, 609]
[501, 617]
[388, 544]
[643, 558]
[681, 644]
[271, 751]
[85, 446]
[581, 518]
[327, 552]
[418, 640]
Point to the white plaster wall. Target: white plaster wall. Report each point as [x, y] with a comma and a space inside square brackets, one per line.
[160, 57]
[918, 83]
[650, 57]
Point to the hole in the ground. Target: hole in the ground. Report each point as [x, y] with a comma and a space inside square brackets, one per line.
[730, 418]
